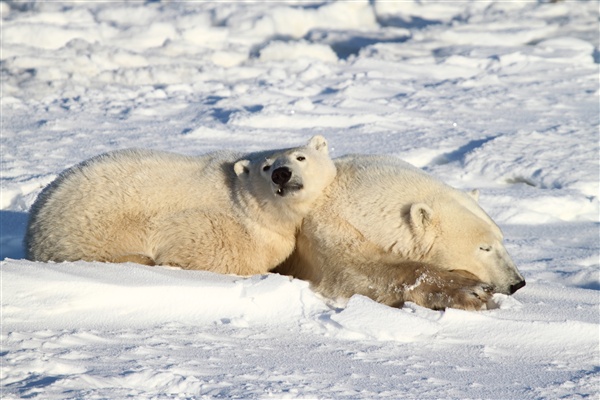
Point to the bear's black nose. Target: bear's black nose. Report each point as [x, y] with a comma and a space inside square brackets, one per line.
[516, 286]
[281, 175]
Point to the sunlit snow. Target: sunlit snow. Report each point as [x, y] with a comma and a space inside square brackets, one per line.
[496, 95]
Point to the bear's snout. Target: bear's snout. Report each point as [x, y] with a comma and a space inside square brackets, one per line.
[516, 286]
[281, 176]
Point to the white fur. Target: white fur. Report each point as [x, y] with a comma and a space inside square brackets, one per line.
[220, 212]
[382, 219]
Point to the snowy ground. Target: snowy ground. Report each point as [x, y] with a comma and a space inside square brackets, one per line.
[501, 96]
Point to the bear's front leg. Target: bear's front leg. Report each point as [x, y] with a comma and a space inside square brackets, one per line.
[438, 289]
[393, 283]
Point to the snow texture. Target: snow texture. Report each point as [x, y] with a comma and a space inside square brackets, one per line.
[501, 96]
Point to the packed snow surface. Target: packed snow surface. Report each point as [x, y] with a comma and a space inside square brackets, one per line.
[501, 96]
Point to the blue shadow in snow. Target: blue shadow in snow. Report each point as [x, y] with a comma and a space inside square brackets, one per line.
[460, 153]
[13, 225]
[29, 387]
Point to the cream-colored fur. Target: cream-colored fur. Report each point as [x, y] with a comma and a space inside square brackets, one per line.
[224, 212]
[387, 230]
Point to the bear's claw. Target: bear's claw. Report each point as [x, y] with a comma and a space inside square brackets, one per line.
[475, 297]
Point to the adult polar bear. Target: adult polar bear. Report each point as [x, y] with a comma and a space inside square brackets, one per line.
[389, 231]
[224, 212]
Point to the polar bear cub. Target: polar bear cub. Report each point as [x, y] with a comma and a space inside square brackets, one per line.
[224, 212]
[389, 231]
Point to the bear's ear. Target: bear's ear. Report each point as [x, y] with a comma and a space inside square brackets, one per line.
[241, 167]
[420, 216]
[319, 143]
[474, 194]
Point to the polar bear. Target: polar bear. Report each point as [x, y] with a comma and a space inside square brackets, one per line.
[224, 212]
[389, 231]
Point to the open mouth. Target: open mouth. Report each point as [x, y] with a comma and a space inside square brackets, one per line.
[290, 188]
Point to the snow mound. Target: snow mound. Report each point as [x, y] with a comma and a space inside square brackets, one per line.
[98, 295]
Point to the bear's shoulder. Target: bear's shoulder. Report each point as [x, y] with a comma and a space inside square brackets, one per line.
[372, 161]
[383, 174]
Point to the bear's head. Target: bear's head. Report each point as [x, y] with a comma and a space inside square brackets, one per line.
[292, 178]
[461, 237]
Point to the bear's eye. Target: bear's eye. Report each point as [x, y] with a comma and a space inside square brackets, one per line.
[266, 167]
[300, 158]
[485, 248]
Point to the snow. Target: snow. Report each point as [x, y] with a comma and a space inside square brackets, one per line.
[501, 96]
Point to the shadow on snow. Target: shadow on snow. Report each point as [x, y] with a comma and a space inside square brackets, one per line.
[13, 225]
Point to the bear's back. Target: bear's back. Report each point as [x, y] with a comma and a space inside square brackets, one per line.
[387, 181]
[134, 177]
[392, 182]
[123, 190]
